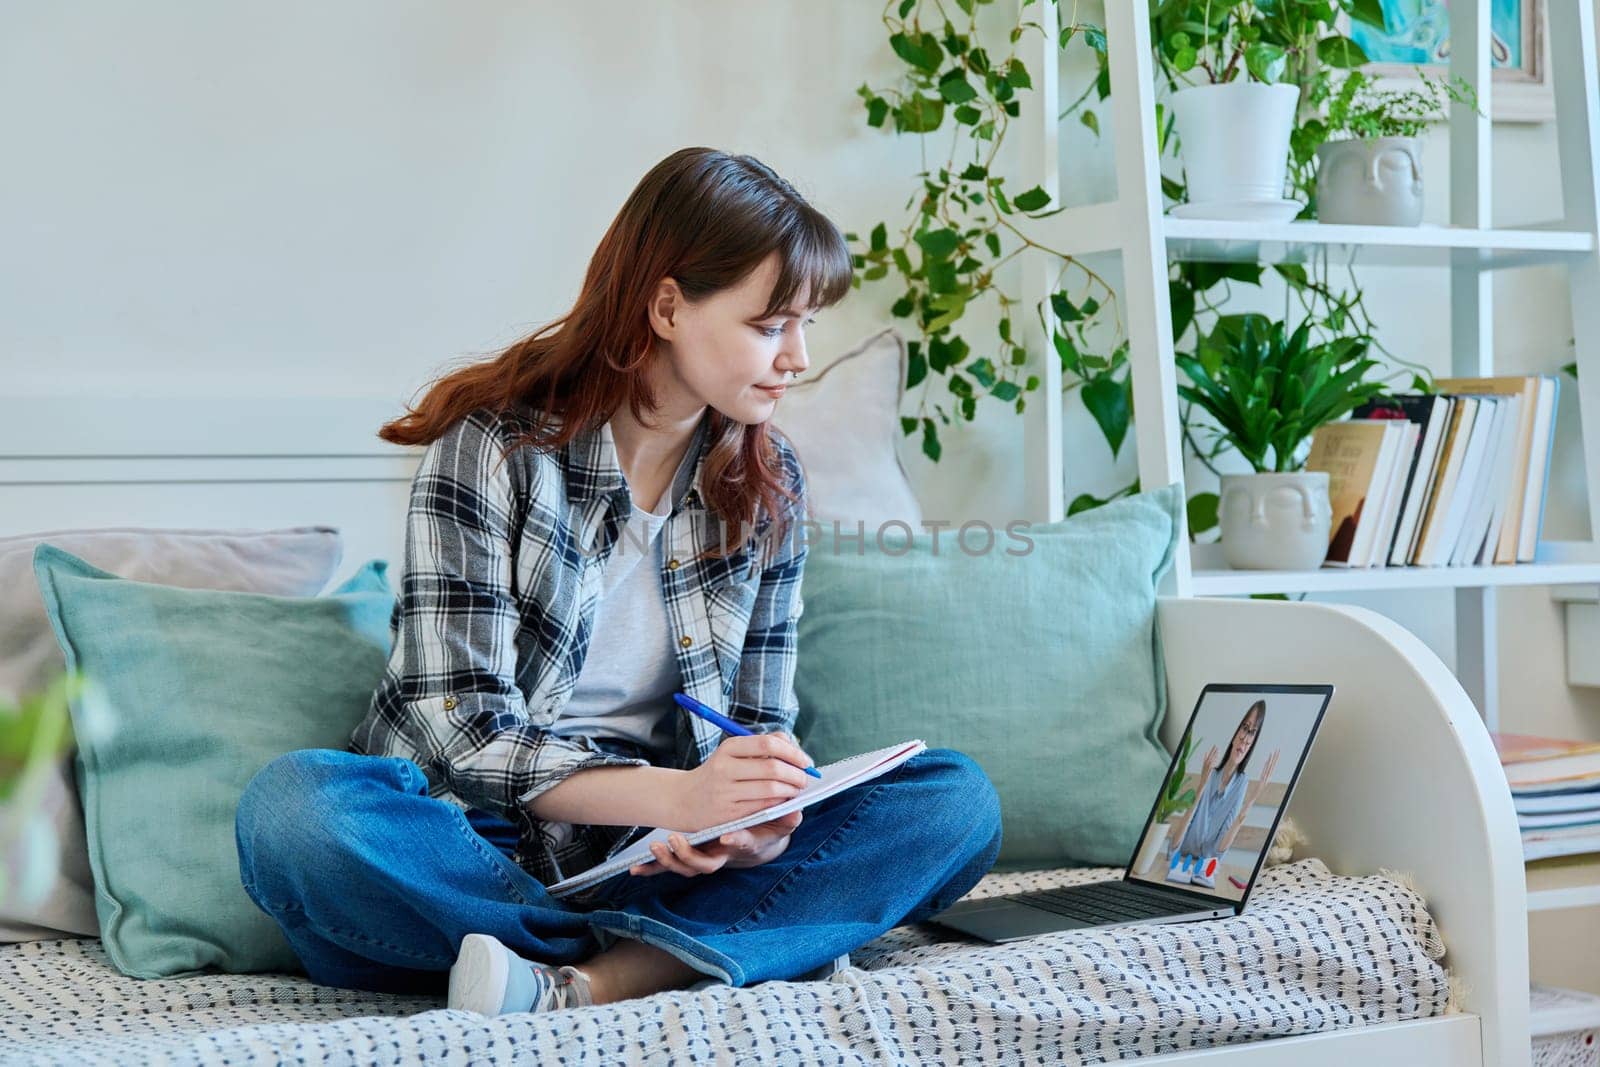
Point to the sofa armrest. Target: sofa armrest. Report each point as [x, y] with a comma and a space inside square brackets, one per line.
[1403, 775]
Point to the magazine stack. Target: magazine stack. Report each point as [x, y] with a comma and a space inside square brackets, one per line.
[1555, 787]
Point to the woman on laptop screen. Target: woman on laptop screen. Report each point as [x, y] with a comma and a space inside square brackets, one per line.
[1221, 800]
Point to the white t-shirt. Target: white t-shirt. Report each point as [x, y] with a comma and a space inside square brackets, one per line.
[630, 670]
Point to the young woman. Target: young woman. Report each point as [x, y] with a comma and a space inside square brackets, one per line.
[1221, 802]
[602, 516]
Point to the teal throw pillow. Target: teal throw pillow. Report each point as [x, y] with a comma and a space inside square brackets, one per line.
[190, 692]
[1039, 660]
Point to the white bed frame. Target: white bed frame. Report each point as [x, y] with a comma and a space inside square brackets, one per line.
[1403, 775]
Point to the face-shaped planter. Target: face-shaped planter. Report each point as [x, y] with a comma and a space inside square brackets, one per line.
[1376, 182]
[1275, 521]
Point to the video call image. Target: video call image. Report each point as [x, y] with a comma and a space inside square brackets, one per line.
[1213, 823]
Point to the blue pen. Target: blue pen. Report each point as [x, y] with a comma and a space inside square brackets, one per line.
[723, 721]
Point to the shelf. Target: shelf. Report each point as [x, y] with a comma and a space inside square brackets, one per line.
[1211, 240]
[1558, 563]
[1564, 882]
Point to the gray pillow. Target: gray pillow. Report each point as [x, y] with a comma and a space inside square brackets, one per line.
[294, 561]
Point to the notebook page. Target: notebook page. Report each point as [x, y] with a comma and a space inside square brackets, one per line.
[836, 777]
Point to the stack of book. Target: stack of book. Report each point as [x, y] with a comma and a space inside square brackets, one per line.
[1555, 786]
[1456, 478]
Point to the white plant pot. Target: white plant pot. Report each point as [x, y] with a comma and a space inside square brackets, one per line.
[1275, 521]
[1373, 182]
[1154, 847]
[1234, 139]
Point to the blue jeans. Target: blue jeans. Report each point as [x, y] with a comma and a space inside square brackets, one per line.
[375, 883]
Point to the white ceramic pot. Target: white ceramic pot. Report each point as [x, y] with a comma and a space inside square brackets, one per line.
[1275, 521]
[1372, 182]
[1234, 139]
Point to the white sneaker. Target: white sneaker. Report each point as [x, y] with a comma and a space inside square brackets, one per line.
[490, 979]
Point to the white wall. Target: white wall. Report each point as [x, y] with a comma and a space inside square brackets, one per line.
[303, 198]
[300, 197]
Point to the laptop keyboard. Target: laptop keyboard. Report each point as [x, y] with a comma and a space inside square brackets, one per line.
[1108, 902]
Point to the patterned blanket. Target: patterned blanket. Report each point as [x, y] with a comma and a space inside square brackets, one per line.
[1314, 951]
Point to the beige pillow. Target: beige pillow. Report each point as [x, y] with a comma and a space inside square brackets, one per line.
[844, 421]
[296, 561]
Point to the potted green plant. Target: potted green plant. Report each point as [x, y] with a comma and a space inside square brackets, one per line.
[35, 732]
[1174, 800]
[1369, 164]
[1267, 392]
[1234, 124]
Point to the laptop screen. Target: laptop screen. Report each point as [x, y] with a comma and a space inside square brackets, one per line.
[1227, 786]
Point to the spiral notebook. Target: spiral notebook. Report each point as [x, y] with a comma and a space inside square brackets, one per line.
[835, 777]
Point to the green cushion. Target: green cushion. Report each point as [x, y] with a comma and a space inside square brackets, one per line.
[190, 692]
[1044, 666]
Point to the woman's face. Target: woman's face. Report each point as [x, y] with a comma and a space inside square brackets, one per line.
[1244, 737]
[722, 352]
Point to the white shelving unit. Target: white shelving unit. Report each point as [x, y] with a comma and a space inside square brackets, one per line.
[1470, 248]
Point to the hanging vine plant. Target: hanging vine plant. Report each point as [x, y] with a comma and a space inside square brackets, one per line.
[966, 222]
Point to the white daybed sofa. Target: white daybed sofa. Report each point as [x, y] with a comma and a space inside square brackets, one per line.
[1403, 779]
[1336, 968]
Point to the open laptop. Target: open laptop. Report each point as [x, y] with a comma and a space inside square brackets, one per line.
[1166, 881]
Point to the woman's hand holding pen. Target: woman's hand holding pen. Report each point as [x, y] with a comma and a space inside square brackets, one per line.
[744, 775]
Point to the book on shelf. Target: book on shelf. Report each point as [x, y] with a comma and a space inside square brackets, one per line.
[1450, 514]
[1536, 482]
[1359, 457]
[1430, 414]
[1469, 484]
[1526, 389]
[1575, 841]
[1531, 762]
[1492, 482]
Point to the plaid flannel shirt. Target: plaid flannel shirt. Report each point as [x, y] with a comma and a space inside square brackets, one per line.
[496, 604]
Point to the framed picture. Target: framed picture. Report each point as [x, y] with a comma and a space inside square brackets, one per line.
[1417, 33]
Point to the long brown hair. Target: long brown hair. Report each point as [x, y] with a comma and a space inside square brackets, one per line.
[706, 219]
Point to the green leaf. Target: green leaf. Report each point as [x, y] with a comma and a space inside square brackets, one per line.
[938, 244]
[930, 440]
[1107, 401]
[975, 172]
[1203, 512]
[1017, 75]
[1341, 51]
[1070, 359]
[1005, 390]
[1083, 502]
[923, 52]
[916, 369]
[992, 240]
[1266, 62]
[1064, 308]
[1032, 200]
[919, 114]
[968, 115]
[1368, 11]
[908, 426]
[1182, 299]
[1089, 119]
[955, 88]
[877, 111]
